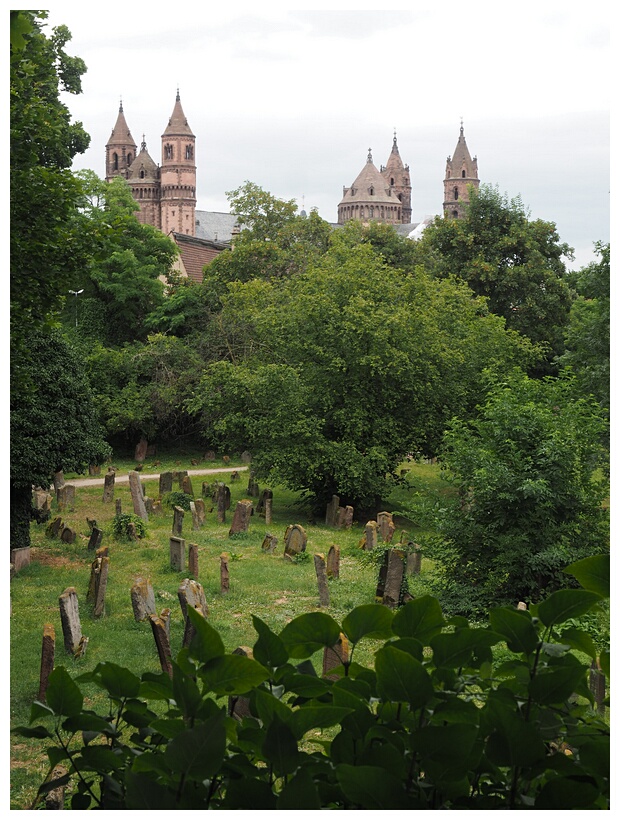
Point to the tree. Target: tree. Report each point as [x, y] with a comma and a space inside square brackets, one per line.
[528, 502]
[334, 375]
[517, 264]
[259, 211]
[54, 424]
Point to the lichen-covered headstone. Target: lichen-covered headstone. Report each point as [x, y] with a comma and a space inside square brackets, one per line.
[295, 540]
[177, 553]
[177, 520]
[199, 505]
[70, 620]
[321, 577]
[270, 542]
[65, 496]
[137, 496]
[47, 659]
[191, 593]
[333, 562]
[186, 485]
[241, 517]
[192, 559]
[394, 578]
[386, 526]
[165, 483]
[162, 643]
[224, 574]
[108, 486]
[68, 535]
[143, 600]
[335, 656]
[95, 539]
[331, 514]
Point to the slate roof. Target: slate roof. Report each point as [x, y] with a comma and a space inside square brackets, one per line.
[215, 226]
[196, 253]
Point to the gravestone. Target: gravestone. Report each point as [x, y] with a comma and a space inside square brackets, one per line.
[101, 586]
[239, 706]
[70, 620]
[270, 542]
[246, 457]
[42, 500]
[295, 540]
[65, 497]
[597, 687]
[141, 449]
[190, 630]
[137, 496]
[108, 486]
[177, 553]
[333, 562]
[335, 656]
[98, 578]
[20, 558]
[68, 535]
[149, 505]
[331, 514]
[181, 475]
[166, 617]
[157, 509]
[191, 593]
[200, 511]
[94, 469]
[241, 517]
[95, 539]
[192, 559]
[264, 496]
[59, 480]
[118, 506]
[54, 799]
[224, 574]
[209, 455]
[234, 476]
[253, 489]
[207, 491]
[344, 518]
[371, 531]
[321, 577]
[177, 520]
[165, 483]
[186, 486]
[54, 527]
[268, 508]
[414, 559]
[386, 526]
[47, 659]
[195, 517]
[162, 643]
[393, 578]
[142, 600]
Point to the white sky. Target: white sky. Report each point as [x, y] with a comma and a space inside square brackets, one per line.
[292, 99]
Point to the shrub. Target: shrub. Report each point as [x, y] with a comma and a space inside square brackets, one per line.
[176, 498]
[431, 725]
[121, 526]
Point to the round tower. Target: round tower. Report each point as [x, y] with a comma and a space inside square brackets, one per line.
[461, 171]
[120, 150]
[178, 175]
[369, 198]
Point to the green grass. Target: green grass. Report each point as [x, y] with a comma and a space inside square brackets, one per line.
[266, 585]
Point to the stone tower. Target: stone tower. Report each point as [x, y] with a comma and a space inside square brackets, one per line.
[371, 197]
[461, 171]
[397, 177]
[178, 175]
[145, 183]
[120, 150]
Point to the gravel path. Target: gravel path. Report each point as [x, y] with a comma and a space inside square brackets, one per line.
[95, 482]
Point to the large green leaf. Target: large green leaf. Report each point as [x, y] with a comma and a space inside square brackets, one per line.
[402, 678]
[143, 792]
[557, 682]
[567, 793]
[513, 742]
[564, 604]
[118, 681]
[63, 694]
[156, 686]
[206, 643]
[299, 793]
[267, 705]
[198, 752]
[280, 747]
[306, 634]
[421, 618]
[249, 793]
[516, 628]
[371, 787]
[368, 621]
[578, 639]
[100, 758]
[268, 649]
[452, 744]
[88, 722]
[232, 675]
[452, 650]
[592, 573]
[316, 717]
[185, 692]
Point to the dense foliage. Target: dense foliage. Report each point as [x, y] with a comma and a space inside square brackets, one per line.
[528, 500]
[436, 722]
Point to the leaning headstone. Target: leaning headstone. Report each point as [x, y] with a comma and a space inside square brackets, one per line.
[118, 507]
[199, 505]
[394, 578]
[95, 571]
[47, 659]
[192, 559]
[177, 521]
[189, 629]
[181, 474]
[331, 514]
[70, 620]
[20, 558]
[65, 496]
[186, 486]
[68, 535]
[238, 706]
[95, 539]
[386, 526]
[270, 542]
[59, 480]
[166, 616]
[162, 643]
[321, 577]
[191, 593]
[177, 553]
[165, 484]
[137, 496]
[142, 600]
[54, 527]
[195, 518]
[54, 799]
[295, 540]
[335, 656]
[108, 486]
[141, 449]
[597, 687]
[333, 562]
[224, 574]
[101, 586]
[241, 517]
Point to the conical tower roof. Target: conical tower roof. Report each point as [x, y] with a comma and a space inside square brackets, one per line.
[121, 135]
[461, 158]
[369, 186]
[394, 163]
[143, 167]
[177, 124]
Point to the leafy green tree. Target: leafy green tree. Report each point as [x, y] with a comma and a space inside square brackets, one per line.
[54, 424]
[336, 374]
[259, 211]
[513, 261]
[529, 501]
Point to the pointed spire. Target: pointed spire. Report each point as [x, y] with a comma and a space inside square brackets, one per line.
[177, 124]
[120, 133]
[143, 144]
[369, 157]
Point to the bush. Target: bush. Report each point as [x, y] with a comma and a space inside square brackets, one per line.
[431, 725]
[125, 525]
[176, 498]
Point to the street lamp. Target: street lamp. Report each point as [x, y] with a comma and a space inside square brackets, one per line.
[76, 293]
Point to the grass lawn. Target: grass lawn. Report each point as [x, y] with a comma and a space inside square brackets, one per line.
[266, 585]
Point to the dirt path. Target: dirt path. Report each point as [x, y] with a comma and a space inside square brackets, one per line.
[94, 482]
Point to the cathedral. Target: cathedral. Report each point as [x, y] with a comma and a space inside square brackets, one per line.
[166, 193]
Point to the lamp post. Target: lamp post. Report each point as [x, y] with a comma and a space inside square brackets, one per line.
[76, 293]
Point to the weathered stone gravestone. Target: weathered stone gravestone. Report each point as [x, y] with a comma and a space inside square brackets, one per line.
[68, 535]
[264, 496]
[295, 540]
[209, 455]
[149, 505]
[94, 469]
[142, 600]
[321, 577]
[199, 505]
[371, 535]
[20, 558]
[246, 457]
[386, 526]
[253, 488]
[597, 687]
[141, 450]
[157, 509]
[393, 577]
[195, 517]
[234, 476]
[331, 513]
[335, 656]
[42, 500]
[192, 559]
[59, 480]
[270, 542]
[221, 495]
[191, 593]
[165, 484]
[268, 509]
[96, 537]
[166, 616]
[344, 519]
[177, 520]
[70, 620]
[47, 659]
[181, 474]
[118, 507]
[238, 706]
[414, 559]
[224, 574]
[241, 517]
[65, 497]
[177, 553]
[54, 527]
[162, 642]
[137, 496]
[186, 486]
[108, 486]
[54, 800]
[333, 562]
[99, 583]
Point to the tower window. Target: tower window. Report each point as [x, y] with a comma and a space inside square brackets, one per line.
[115, 162]
[168, 152]
[463, 173]
[142, 174]
[372, 211]
[456, 193]
[455, 214]
[189, 152]
[372, 191]
[391, 180]
[129, 158]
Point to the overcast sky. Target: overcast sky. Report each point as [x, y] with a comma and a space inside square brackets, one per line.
[293, 99]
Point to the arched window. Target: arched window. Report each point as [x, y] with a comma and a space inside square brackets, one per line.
[371, 191]
[456, 192]
[115, 162]
[142, 174]
[129, 158]
[391, 180]
[189, 152]
[463, 173]
[167, 151]
[455, 214]
[372, 211]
